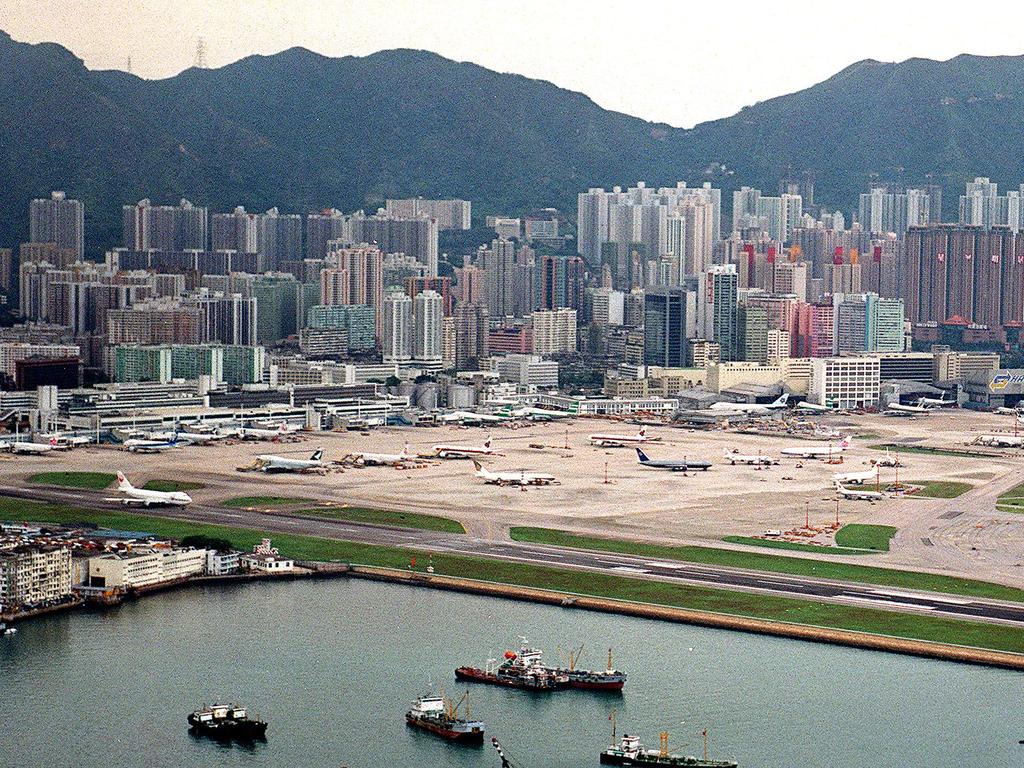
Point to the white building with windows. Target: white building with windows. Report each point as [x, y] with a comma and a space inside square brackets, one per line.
[554, 331]
[31, 576]
[845, 382]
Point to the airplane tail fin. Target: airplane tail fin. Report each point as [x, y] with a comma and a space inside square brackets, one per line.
[317, 455]
[642, 432]
[122, 482]
[487, 442]
[847, 441]
[405, 450]
[782, 400]
[478, 466]
[642, 456]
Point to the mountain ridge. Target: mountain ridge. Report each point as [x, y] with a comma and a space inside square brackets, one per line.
[304, 131]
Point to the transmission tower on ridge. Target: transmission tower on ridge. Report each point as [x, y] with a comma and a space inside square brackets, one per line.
[200, 62]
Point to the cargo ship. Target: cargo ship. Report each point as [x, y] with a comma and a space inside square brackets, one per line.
[227, 722]
[630, 752]
[522, 669]
[609, 679]
[438, 716]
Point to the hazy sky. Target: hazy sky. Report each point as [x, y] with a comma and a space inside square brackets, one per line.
[681, 61]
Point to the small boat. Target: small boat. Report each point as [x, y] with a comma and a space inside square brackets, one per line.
[517, 670]
[438, 716]
[226, 722]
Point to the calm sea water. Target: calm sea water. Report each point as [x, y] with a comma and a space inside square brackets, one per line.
[333, 666]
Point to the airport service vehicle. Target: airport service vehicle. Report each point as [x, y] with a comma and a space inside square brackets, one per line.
[751, 408]
[629, 751]
[1000, 441]
[620, 441]
[522, 669]
[858, 495]
[34, 448]
[735, 457]
[440, 717]
[896, 409]
[856, 478]
[227, 722]
[674, 465]
[140, 445]
[271, 463]
[133, 495]
[817, 451]
[384, 459]
[522, 477]
[463, 451]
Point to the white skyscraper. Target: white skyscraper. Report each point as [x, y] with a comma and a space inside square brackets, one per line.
[429, 317]
[396, 331]
[58, 220]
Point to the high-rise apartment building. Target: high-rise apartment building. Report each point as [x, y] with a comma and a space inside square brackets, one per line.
[669, 320]
[428, 313]
[396, 335]
[164, 227]
[717, 309]
[450, 214]
[229, 318]
[554, 331]
[58, 220]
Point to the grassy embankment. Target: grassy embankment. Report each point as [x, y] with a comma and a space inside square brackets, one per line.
[355, 514]
[1012, 500]
[869, 537]
[758, 561]
[897, 448]
[795, 546]
[602, 585]
[95, 481]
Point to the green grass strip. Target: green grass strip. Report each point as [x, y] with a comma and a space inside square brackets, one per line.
[865, 536]
[757, 561]
[897, 448]
[1017, 492]
[388, 517]
[96, 481]
[171, 485]
[940, 489]
[796, 546]
[242, 502]
[975, 634]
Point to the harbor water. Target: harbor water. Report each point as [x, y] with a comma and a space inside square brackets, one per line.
[333, 665]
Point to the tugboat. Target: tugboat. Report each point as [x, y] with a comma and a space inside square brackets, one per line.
[630, 752]
[226, 722]
[518, 670]
[440, 717]
[609, 679]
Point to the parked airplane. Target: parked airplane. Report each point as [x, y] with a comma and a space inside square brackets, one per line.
[856, 478]
[620, 441]
[814, 407]
[735, 457]
[817, 451]
[35, 448]
[522, 477]
[139, 445]
[384, 459]
[751, 408]
[674, 465]
[1000, 441]
[468, 417]
[933, 403]
[534, 414]
[133, 495]
[270, 463]
[1008, 411]
[463, 451]
[201, 438]
[858, 495]
[888, 460]
[896, 409]
[258, 433]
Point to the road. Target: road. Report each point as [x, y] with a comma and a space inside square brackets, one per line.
[822, 590]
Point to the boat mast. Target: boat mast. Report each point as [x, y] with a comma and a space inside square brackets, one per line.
[663, 752]
[705, 745]
[612, 718]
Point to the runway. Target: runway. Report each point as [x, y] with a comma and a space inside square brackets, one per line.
[609, 563]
